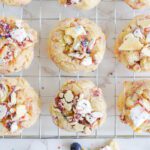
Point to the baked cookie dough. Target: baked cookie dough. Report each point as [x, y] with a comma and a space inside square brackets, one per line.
[138, 4]
[19, 106]
[79, 107]
[113, 145]
[134, 105]
[17, 42]
[77, 45]
[132, 47]
[81, 4]
[15, 2]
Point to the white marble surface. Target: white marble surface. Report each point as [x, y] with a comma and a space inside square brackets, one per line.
[111, 16]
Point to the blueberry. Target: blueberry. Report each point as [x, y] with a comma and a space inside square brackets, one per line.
[75, 146]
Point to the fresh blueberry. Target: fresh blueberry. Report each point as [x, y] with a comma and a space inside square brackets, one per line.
[75, 146]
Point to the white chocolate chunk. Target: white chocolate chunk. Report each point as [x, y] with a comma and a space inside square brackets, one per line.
[76, 46]
[83, 107]
[13, 98]
[76, 55]
[75, 1]
[19, 35]
[91, 44]
[14, 127]
[137, 33]
[75, 31]
[145, 51]
[69, 96]
[92, 117]
[131, 43]
[139, 115]
[3, 92]
[3, 111]
[145, 103]
[87, 61]
[106, 148]
[20, 111]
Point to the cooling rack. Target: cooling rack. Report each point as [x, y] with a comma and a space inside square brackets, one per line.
[46, 78]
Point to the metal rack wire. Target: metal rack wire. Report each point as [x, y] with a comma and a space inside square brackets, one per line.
[96, 76]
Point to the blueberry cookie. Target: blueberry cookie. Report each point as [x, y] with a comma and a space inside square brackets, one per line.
[15, 2]
[132, 47]
[77, 45]
[113, 145]
[79, 107]
[17, 42]
[134, 105]
[19, 106]
[138, 4]
[81, 4]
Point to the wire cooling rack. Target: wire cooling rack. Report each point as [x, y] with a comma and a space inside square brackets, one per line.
[47, 79]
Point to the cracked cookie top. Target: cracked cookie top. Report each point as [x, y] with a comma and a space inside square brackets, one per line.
[79, 107]
[19, 106]
[133, 45]
[77, 45]
[134, 105]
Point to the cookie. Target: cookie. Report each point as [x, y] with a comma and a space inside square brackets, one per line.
[15, 2]
[132, 46]
[79, 107]
[77, 45]
[17, 42]
[19, 106]
[138, 4]
[113, 145]
[134, 105]
[81, 4]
